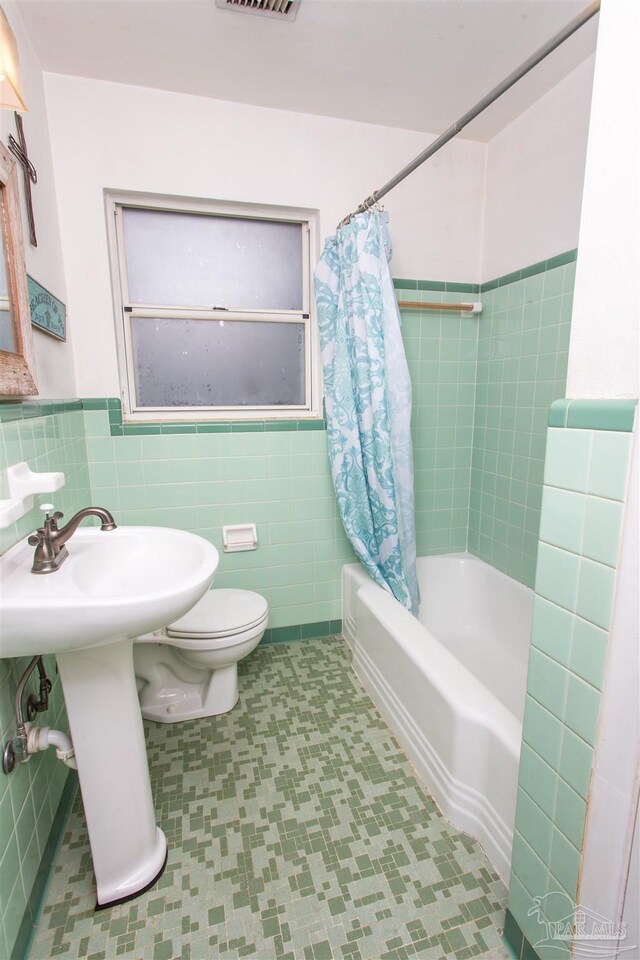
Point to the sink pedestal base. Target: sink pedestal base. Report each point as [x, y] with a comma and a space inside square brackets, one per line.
[127, 847]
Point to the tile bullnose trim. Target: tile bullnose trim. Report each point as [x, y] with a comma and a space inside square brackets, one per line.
[531, 270]
[437, 286]
[558, 413]
[561, 260]
[11, 410]
[611, 415]
[120, 428]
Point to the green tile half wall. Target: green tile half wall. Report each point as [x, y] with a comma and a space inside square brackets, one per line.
[200, 481]
[482, 391]
[441, 349]
[585, 481]
[522, 365]
[36, 797]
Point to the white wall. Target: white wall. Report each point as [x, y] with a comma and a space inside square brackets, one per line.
[603, 353]
[631, 909]
[603, 363]
[535, 170]
[126, 137]
[54, 360]
[472, 213]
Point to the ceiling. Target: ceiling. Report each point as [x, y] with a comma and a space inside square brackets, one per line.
[416, 64]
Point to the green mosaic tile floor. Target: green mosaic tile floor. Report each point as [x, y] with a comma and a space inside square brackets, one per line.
[296, 830]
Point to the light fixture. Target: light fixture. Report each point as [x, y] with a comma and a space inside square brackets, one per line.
[11, 95]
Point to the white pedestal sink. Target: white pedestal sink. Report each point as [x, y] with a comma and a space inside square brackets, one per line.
[114, 586]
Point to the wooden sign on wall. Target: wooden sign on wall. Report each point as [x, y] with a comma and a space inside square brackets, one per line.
[47, 312]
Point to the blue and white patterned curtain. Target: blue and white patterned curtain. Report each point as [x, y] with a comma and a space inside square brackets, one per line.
[368, 403]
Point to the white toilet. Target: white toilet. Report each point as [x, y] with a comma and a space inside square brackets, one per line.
[190, 668]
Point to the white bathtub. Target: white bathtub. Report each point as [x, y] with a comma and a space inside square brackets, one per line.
[451, 685]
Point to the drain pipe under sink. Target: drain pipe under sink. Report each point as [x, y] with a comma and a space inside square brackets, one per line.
[40, 738]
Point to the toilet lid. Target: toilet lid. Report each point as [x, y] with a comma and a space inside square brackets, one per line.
[221, 613]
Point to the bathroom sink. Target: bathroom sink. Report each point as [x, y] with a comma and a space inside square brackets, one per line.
[114, 584]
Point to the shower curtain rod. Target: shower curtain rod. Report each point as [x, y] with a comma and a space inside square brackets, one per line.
[480, 106]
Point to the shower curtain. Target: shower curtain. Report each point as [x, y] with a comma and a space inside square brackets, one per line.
[368, 403]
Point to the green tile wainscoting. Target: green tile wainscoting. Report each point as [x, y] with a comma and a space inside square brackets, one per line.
[36, 901]
[49, 436]
[279, 480]
[522, 364]
[585, 479]
[482, 390]
[35, 799]
[441, 349]
[200, 475]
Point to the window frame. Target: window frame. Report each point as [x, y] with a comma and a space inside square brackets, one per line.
[125, 312]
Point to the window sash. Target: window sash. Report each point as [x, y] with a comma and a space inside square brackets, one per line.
[208, 286]
[209, 412]
[125, 311]
[122, 264]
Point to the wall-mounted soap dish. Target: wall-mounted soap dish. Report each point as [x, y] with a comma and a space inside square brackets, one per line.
[22, 485]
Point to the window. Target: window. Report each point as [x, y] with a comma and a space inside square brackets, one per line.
[213, 309]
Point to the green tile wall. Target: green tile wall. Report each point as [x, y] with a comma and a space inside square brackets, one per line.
[441, 350]
[279, 480]
[585, 480]
[482, 390]
[522, 364]
[31, 796]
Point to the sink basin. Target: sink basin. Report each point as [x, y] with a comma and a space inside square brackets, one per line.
[114, 584]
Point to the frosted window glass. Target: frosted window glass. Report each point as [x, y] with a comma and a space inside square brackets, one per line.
[217, 363]
[193, 260]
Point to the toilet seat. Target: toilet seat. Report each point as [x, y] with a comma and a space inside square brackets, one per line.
[233, 612]
[202, 641]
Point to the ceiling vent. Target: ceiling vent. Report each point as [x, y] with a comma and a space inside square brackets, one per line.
[280, 9]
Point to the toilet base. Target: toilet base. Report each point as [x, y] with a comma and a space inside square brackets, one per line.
[192, 700]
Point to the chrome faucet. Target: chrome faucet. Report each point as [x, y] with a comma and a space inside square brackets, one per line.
[49, 540]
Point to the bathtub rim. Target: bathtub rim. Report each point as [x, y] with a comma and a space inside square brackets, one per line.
[488, 818]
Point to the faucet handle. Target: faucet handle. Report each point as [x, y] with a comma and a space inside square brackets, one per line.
[51, 521]
[38, 536]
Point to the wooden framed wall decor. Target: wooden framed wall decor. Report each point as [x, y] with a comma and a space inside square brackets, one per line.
[17, 364]
[47, 312]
